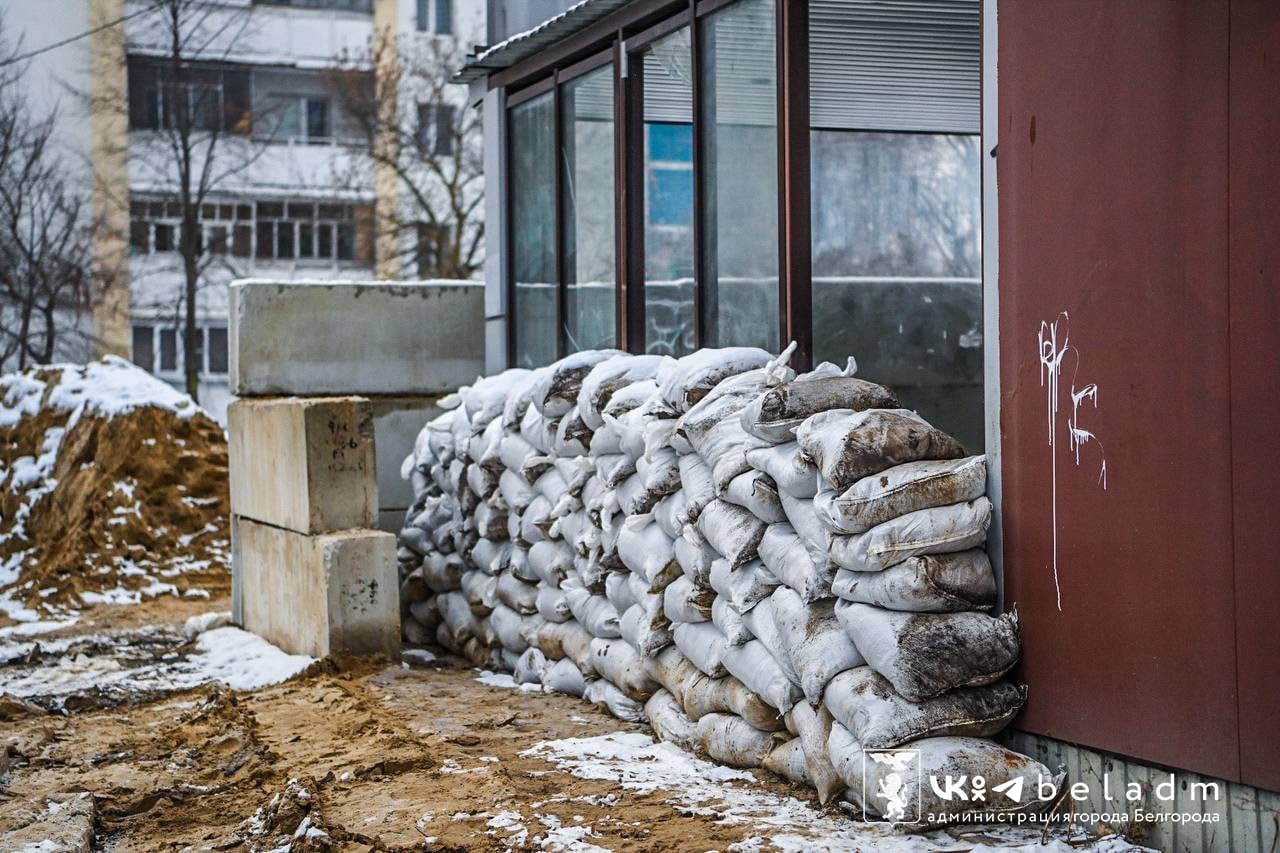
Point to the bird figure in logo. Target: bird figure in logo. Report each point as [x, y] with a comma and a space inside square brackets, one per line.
[893, 787]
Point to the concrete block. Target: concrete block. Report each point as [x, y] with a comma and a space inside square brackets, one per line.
[396, 424]
[307, 465]
[316, 339]
[318, 595]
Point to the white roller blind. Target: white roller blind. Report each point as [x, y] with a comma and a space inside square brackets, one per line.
[897, 65]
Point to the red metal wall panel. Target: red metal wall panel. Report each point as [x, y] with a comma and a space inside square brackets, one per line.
[1112, 173]
[1255, 376]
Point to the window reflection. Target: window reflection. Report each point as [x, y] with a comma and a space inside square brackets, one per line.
[533, 230]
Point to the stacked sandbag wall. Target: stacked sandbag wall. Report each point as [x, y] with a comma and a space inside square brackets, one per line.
[773, 570]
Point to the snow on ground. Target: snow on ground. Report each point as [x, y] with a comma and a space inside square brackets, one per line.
[504, 679]
[638, 763]
[110, 387]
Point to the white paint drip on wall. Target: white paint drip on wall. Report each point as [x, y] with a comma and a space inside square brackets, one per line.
[1054, 346]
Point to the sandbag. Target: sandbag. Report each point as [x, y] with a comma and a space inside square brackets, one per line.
[801, 516]
[812, 726]
[703, 645]
[755, 492]
[687, 380]
[847, 446]
[899, 490]
[506, 625]
[787, 558]
[550, 561]
[938, 530]
[731, 740]
[696, 484]
[645, 629]
[792, 472]
[563, 676]
[752, 664]
[926, 654]
[530, 666]
[442, 572]
[608, 377]
[644, 548]
[617, 588]
[700, 695]
[669, 721]
[744, 587]
[552, 605]
[619, 662]
[813, 640]
[933, 583]
[603, 694]
[556, 391]
[730, 622]
[866, 704]
[685, 602]
[775, 414]
[731, 530]
[695, 555]
[593, 612]
[788, 761]
[565, 640]
[520, 596]
[669, 513]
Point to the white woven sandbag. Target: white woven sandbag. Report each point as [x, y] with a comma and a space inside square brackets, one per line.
[752, 664]
[573, 437]
[813, 640]
[847, 446]
[456, 614]
[866, 704]
[538, 431]
[491, 523]
[605, 441]
[669, 721]
[518, 398]
[506, 625]
[515, 491]
[899, 490]
[608, 377]
[815, 535]
[617, 588]
[442, 572]
[550, 561]
[775, 414]
[926, 654]
[730, 622]
[480, 591]
[556, 391]
[605, 695]
[731, 740]
[622, 665]
[933, 583]
[486, 398]
[687, 380]
[703, 645]
[935, 758]
[644, 548]
[552, 605]
[731, 530]
[683, 601]
[788, 761]
[670, 513]
[645, 629]
[520, 596]
[700, 695]
[785, 556]
[696, 484]
[695, 555]
[530, 667]
[593, 612]
[659, 470]
[535, 520]
[812, 726]
[563, 676]
[755, 491]
[743, 587]
[938, 530]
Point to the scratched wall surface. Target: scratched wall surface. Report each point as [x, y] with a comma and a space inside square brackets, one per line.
[1117, 269]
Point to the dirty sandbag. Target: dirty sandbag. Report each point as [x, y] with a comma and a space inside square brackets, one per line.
[539, 432]
[847, 446]
[801, 516]
[550, 561]
[937, 530]
[519, 595]
[480, 591]
[594, 612]
[759, 621]
[490, 555]
[515, 490]
[674, 672]
[513, 450]
[551, 485]
[535, 520]
[486, 398]
[683, 601]
[695, 555]
[552, 604]
[572, 438]
[613, 469]
[530, 667]
[926, 654]
[645, 630]
[728, 695]
[633, 425]
[775, 414]
[755, 491]
[732, 531]
[605, 441]
[730, 622]
[704, 646]
[687, 380]
[414, 588]
[565, 640]
[518, 564]
[426, 613]
[485, 449]
[506, 625]
[563, 676]
[867, 705]
[936, 758]
[813, 640]
[455, 610]
[788, 761]
[812, 726]
[732, 463]
[659, 470]
[632, 497]
[608, 377]
[482, 480]
[696, 484]
[787, 558]
[518, 399]
[669, 721]
[442, 572]
[623, 666]
[670, 513]
[933, 583]
[557, 389]
[605, 695]
[646, 550]
[415, 539]
[899, 490]
[743, 587]
[417, 633]
[617, 588]
[731, 740]
[490, 523]
[752, 664]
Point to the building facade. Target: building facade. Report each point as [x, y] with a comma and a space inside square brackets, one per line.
[290, 189]
[1043, 224]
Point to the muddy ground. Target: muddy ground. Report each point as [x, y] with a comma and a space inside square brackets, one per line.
[349, 755]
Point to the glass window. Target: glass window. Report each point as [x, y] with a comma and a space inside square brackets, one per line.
[668, 198]
[163, 238]
[144, 348]
[738, 120]
[897, 264]
[586, 106]
[241, 241]
[139, 236]
[217, 350]
[318, 126]
[533, 233]
[168, 349]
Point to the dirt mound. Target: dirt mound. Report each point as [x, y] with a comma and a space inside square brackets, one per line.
[114, 489]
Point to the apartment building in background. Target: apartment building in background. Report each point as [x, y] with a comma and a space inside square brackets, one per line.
[294, 192]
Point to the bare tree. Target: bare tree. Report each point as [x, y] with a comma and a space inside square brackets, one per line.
[195, 108]
[46, 246]
[413, 122]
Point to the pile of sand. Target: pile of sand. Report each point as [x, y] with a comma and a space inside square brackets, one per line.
[113, 487]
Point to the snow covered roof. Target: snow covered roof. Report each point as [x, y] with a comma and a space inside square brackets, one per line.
[521, 46]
